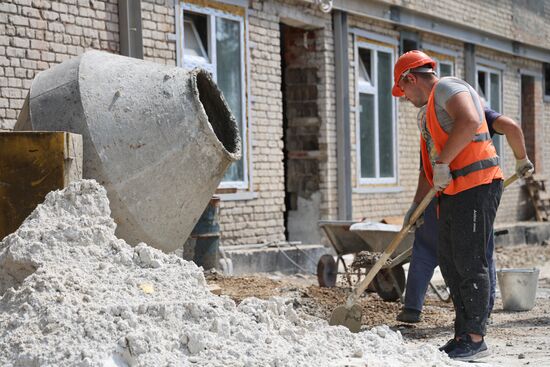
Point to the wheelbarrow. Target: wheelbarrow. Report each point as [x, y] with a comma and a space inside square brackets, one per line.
[351, 237]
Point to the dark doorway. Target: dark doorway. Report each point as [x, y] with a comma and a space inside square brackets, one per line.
[301, 126]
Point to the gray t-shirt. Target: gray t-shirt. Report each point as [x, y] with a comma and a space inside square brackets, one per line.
[444, 90]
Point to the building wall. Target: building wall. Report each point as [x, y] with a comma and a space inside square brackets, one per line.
[374, 206]
[37, 34]
[158, 22]
[261, 220]
[523, 21]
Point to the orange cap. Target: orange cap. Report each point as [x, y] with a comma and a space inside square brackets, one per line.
[407, 61]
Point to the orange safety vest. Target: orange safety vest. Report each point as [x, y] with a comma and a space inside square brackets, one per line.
[477, 164]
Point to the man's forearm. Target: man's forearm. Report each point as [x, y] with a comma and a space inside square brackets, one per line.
[514, 135]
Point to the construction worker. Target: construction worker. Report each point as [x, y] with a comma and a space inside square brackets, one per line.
[424, 255]
[460, 161]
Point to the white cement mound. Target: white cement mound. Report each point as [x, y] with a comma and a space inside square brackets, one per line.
[75, 295]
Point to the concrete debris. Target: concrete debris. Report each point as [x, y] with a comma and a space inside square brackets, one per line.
[73, 294]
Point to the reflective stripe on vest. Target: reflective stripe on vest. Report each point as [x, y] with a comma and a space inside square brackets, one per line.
[481, 137]
[476, 166]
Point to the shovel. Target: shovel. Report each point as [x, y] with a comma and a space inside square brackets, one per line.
[349, 315]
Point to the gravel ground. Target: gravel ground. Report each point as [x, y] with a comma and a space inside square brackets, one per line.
[514, 338]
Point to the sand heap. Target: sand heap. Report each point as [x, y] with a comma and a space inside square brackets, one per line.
[72, 294]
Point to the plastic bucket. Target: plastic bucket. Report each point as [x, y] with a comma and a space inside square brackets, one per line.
[518, 288]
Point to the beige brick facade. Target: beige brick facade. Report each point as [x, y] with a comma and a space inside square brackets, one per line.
[37, 34]
[524, 21]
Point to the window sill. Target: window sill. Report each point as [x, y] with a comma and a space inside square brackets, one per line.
[377, 190]
[238, 196]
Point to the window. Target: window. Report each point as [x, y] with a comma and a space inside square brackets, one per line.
[445, 68]
[444, 59]
[489, 87]
[214, 40]
[376, 132]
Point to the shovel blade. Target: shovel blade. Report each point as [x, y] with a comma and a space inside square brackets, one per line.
[348, 317]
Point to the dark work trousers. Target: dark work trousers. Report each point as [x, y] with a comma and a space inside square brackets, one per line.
[465, 222]
[424, 260]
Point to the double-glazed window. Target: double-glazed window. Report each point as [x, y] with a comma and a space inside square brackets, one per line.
[214, 40]
[489, 87]
[376, 132]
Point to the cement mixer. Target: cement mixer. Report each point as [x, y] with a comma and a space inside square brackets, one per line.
[159, 138]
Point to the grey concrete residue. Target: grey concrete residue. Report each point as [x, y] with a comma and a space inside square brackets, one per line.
[158, 138]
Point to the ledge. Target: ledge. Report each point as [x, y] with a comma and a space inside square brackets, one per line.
[377, 190]
[238, 196]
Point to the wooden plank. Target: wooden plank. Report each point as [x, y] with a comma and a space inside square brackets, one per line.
[33, 164]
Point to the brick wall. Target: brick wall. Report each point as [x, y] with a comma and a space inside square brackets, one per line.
[261, 219]
[37, 34]
[375, 206]
[514, 204]
[158, 21]
[524, 21]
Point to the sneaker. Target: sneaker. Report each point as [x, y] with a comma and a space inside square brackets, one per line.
[409, 315]
[466, 350]
[450, 345]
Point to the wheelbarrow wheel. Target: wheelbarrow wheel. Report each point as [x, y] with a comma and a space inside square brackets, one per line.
[384, 285]
[327, 270]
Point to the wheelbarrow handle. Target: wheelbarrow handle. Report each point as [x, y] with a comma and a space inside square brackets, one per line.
[360, 288]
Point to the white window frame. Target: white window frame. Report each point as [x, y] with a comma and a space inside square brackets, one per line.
[370, 88]
[197, 60]
[446, 62]
[194, 62]
[488, 71]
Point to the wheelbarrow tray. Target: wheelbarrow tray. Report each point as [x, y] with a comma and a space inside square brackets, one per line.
[350, 237]
[377, 236]
[341, 238]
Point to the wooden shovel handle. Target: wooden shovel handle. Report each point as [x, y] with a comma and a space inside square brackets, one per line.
[510, 179]
[360, 288]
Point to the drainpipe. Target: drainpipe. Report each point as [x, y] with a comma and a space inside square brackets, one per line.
[129, 28]
[343, 143]
[470, 64]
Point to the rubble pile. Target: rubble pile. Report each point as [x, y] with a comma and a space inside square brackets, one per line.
[73, 294]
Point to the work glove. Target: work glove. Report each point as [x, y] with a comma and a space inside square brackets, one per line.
[409, 214]
[442, 176]
[524, 167]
